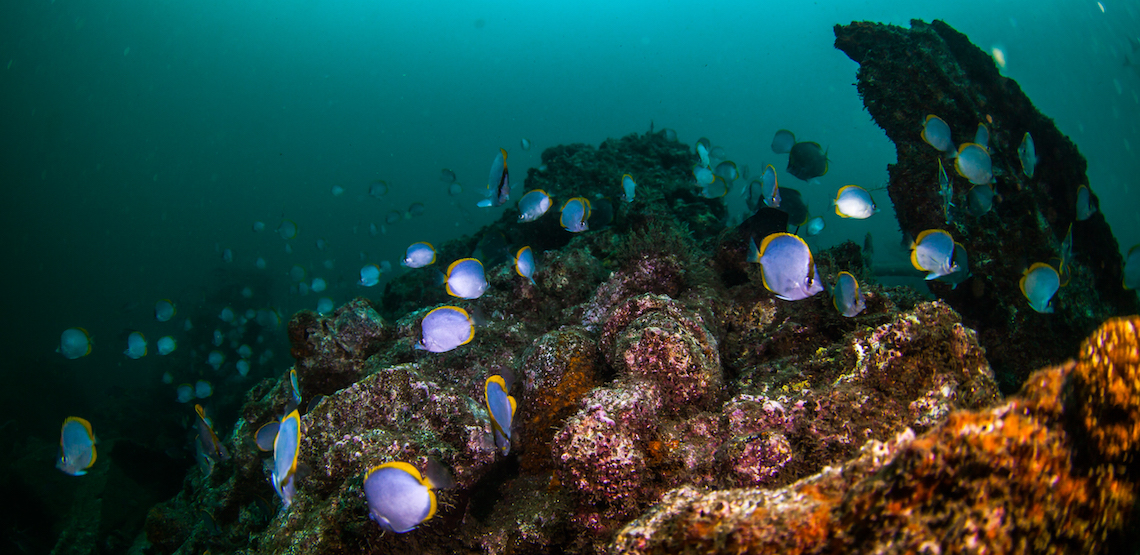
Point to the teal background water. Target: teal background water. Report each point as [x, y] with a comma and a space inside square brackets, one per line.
[140, 138]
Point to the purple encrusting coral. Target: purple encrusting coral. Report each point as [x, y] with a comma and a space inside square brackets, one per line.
[667, 401]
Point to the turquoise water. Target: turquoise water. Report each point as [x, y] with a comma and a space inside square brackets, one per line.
[141, 139]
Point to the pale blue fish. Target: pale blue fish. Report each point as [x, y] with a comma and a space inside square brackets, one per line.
[937, 134]
[286, 448]
[1027, 154]
[419, 255]
[288, 229]
[203, 389]
[1086, 203]
[418, 208]
[399, 497]
[814, 226]
[848, 296]
[853, 201]
[945, 190]
[982, 135]
[703, 154]
[575, 213]
[980, 200]
[322, 244]
[455, 189]
[445, 328]
[629, 186]
[787, 266]
[717, 189]
[164, 310]
[208, 440]
[219, 338]
[242, 367]
[378, 188]
[1131, 279]
[258, 227]
[294, 386]
[962, 263]
[727, 171]
[324, 305]
[1040, 282]
[703, 175]
[226, 315]
[318, 285]
[933, 252]
[215, 359]
[670, 134]
[498, 182]
[74, 343]
[974, 163]
[76, 446]
[524, 263]
[245, 351]
[370, 275]
[783, 141]
[770, 187]
[465, 279]
[447, 176]
[393, 216]
[136, 345]
[501, 407]
[166, 345]
[185, 393]
[533, 205]
[524, 143]
[266, 435]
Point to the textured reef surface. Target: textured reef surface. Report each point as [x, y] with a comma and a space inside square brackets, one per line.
[669, 403]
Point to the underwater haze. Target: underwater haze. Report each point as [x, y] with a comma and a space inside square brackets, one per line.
[143, 139]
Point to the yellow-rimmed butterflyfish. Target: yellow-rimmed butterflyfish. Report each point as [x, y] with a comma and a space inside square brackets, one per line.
[973, 163]
[770, 187]
[702, 148]
[933, 252]
[807, 161]
[74, 343]
[727, 171]
[498, 182]
[982, 135]
[783, 141]
[369, 275]
[418, 255]
[164, 310]
[1087, 203]
[936, 133]
[1131, 279]
[847, 296]
[501, 407]
[1027, 154]
[209, 441]
[378, 188]
[787, 266]
[533, 205]
[399, 497]
[716, 189]
[287, 229]
[524, 263]
[814, 226]
[962, 263]
[980, 200]
[629, 188]
[792, 203]
[285, 450]
[445, 328]
[76, 446]
[465, 279]
[166, 345]
[1040, 282]
[136, 345]
[575, 213]
[266, 435]
[853, 201]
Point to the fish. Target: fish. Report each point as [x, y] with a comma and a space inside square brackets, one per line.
[164, 310]
[524, 143]
[445, 328]
[166, 345]
[324, 305]
[418, 255]
[973, 163]
[266, 435]
[727, 171]
[74, 343]
[215, 359]
[853, 201]
[136, 345]
[792, 203]
[962, 262]
[447, 176]
[492, 249]
[370, 275]
[847, 296]
[242, 367]
[211, 446]
[524, 264]
[787, 266]
[323, 243]
[318, 285]
[258, 227]
[287, 229]
[399, 497]
[575, 213]
[76, 446]
[337, 190]
[378, 188]
[498, 182]
[670, 134]
[980, 200]
[185, 393]
[945, 190]
[226, 315]
[465, 279]
[703, 152]
[717, 189]
[417, 209]
[203, 389]
[260, 263]
[601, 213]
[770, 187]
[703, 175]
[1087, 203]
[814, 226]
[294, 386]
[227, 255]
[933, 252]
[393, 217]
[501, 407]
[982, 135]
[285, 450]
[936, 133]
[1027, 154]
[807, 161]
[1131, 278]
[1039, 283]
[455, 189]
[629, 186]
[533, 205]
[783, 141]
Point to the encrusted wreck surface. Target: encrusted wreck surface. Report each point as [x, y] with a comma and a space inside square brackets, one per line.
[905, 74]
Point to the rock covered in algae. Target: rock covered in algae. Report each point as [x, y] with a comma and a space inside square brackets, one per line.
[1007, 479]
